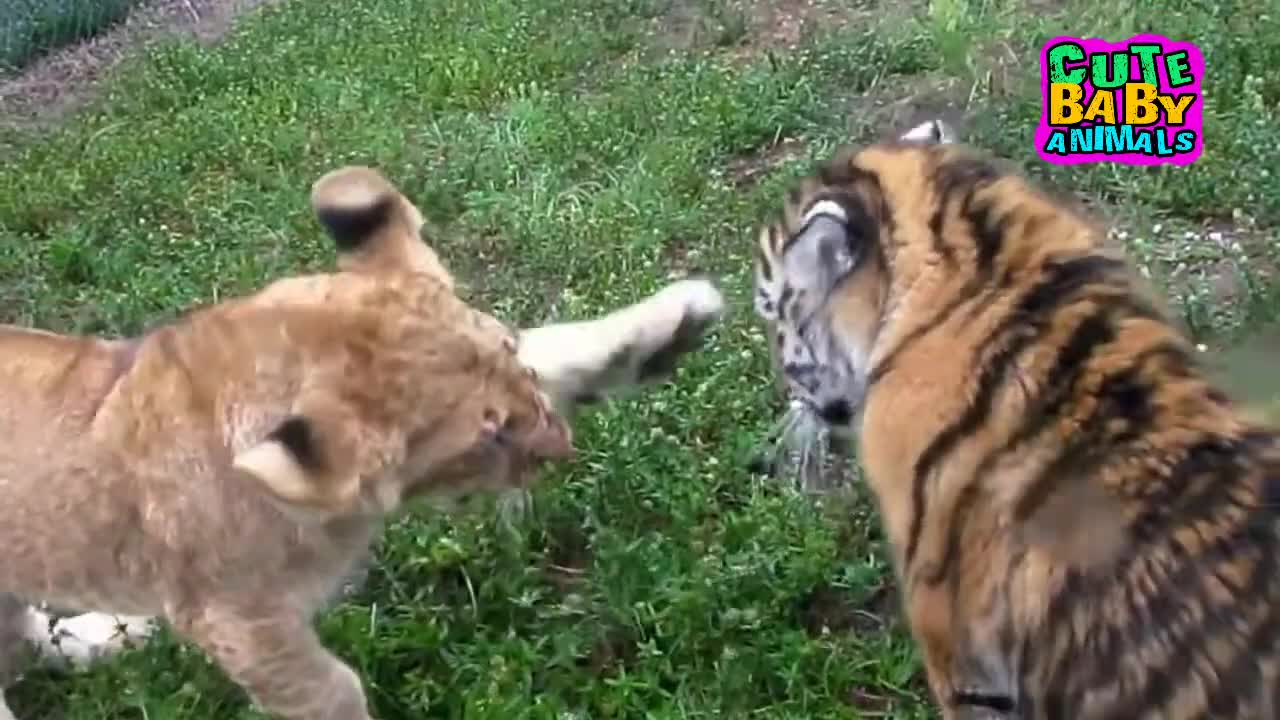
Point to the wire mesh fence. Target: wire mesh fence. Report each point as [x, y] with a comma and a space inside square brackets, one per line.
[31, 28]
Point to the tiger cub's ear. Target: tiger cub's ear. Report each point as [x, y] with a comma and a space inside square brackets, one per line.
[309, 462]
[825, 250]
[933, 132]
[372, 224]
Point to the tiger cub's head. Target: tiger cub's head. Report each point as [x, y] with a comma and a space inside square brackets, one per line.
[822, 273]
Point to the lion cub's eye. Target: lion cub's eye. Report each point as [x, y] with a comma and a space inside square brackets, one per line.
[494, 427]
[499, 430]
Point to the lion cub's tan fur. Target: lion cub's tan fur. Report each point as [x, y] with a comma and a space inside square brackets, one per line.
[226, 470]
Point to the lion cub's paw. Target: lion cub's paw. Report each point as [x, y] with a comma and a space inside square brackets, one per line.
[696, 303]
[81, 640]
[583, 362]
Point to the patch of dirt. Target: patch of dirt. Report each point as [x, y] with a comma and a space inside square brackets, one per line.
[1247, 370]
[1202, 259]
[683, 256]
[1000, 68]
[746, 170]
[902, 102]
[883, 702]
[750, 27]
[1219, 281]
[746, 29]
[65, 79]
[612, 650]
[871, 704]
[784, 24]
[568, 558]
[829, 610]
[882, 112]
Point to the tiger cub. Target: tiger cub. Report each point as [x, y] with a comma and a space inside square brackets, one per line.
[1083, 526]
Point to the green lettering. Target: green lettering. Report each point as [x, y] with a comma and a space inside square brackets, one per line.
[1146, 54]
[1119, 70]
[1178, 67]
[1059, 55]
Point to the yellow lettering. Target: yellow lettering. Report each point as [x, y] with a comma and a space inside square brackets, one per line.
[1064, 104]
[1140, 104]
[1102, 104]
[1175, 110]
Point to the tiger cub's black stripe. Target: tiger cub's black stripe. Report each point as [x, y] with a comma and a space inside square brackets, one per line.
[1028, 324]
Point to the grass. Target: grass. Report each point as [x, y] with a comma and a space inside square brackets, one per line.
[30, 28]
[571, 166]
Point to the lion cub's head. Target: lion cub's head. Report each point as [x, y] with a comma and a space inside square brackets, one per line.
[404, 389]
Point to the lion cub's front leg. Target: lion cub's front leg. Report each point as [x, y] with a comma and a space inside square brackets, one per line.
[273, 652]
[585, 361]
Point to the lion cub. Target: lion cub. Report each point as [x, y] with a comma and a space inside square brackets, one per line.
[227, 470]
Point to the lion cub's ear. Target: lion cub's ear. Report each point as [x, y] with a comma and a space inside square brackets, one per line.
[309, 462]
[374, 226]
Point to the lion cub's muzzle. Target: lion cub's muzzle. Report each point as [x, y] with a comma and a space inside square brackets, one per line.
[552, 439]
[528, 449]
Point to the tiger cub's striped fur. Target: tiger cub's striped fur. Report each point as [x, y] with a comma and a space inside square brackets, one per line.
[1083, 526]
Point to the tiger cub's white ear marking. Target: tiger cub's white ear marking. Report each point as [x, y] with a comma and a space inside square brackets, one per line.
[932, 132]
[825, 207]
